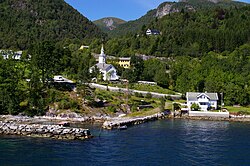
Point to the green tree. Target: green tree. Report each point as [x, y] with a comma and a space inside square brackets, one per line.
[195, 107]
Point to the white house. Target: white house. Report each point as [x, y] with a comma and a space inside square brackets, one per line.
[152, 32]
[107, 70]
[7, 54]
[205, 100]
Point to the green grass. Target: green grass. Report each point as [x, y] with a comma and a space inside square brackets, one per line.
[238, 109]
[143, 113]
[142, 87]
[117, 99]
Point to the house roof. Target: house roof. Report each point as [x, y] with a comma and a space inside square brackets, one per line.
[193, 95]
[153, 31]
[124, 58]
[104, 66]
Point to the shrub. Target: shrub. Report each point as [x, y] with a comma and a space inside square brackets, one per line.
[138, 94]
[68, 104]
[112, 109]
[176, 106]
[148, 95]
[195, 107]
[134, 108]
[169, 98]
[64, 104]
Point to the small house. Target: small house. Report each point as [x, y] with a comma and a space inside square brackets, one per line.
[152, 32]
[124, 62]
[206, 101]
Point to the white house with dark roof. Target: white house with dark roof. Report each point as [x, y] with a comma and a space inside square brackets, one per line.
[153, 32]
[206, 101]
[9, 54]
[107, 70]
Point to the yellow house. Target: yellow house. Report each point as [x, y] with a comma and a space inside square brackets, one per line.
[124, 62]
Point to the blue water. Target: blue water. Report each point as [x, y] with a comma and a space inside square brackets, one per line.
[165, 142]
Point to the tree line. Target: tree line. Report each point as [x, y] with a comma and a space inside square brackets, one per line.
[227, 73]
[26, 85]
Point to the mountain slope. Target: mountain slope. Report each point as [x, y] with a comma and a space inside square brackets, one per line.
[109, 23]
[23, 22]
[133, 26]
[188, 33]
[168, 8]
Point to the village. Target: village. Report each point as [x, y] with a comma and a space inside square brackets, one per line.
[117, 102]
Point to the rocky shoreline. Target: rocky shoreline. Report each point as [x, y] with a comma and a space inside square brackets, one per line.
[33, 126]
[231, 119]
[40, 119]
[45, 131]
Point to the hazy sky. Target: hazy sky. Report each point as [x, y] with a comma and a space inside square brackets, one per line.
[124, 9]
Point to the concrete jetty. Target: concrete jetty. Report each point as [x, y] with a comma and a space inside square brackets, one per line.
[47, 131]
[116, 123]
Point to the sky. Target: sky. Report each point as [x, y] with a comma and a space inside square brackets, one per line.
[123, 9]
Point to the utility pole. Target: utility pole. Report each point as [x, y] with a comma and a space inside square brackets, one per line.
[127, 92]
[222, 103]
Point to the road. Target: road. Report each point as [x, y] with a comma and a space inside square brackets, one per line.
[132, 91]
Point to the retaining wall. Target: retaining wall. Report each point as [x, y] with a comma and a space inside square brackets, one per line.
[209, 114]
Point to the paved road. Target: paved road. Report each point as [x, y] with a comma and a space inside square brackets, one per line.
[132, 91]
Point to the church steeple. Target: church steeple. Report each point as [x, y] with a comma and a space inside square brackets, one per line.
[102, 56]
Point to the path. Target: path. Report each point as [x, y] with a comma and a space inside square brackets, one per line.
[132, 91]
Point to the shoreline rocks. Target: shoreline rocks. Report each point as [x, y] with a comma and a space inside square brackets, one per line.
[45, 131]
[39, 119]
[230, 119]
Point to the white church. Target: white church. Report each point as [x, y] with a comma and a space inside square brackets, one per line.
[107, 70]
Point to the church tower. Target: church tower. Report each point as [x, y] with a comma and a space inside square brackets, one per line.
[102, 56]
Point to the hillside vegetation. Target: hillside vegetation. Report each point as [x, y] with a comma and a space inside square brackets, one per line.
[188, 33]
[168, 8]
[24, 22]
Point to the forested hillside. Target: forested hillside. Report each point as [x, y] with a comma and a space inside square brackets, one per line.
[168, 8]
[24, 22]
[188, 33]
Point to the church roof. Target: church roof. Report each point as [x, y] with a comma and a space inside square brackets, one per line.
[104, 66]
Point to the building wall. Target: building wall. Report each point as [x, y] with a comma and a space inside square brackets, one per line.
[203, 107]
[124, 63]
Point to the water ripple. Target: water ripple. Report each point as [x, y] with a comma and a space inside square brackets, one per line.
[166, 142]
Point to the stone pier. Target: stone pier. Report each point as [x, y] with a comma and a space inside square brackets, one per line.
[47, 131]
[116, 123]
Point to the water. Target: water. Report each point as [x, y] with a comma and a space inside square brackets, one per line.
[165, 142]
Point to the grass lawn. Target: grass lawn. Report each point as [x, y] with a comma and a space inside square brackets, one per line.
[142, 87]
[232, 109]
[144, 113]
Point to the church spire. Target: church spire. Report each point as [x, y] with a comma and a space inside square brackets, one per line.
[102, 56]
[102, 50]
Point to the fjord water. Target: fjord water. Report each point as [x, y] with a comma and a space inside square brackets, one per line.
[164, 142]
